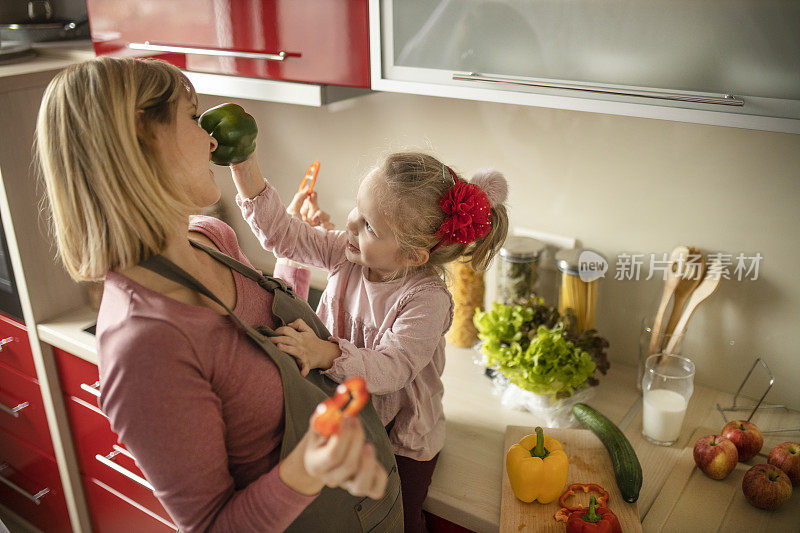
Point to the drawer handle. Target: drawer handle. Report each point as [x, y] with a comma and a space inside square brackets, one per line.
[280, 56]
[108, 461]
[725, 99]
[93, 389]
[14, 411]
[32, 497]
[5, 341]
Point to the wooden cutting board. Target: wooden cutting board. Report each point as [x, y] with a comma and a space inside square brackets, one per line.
[588, 463]
[690, 500]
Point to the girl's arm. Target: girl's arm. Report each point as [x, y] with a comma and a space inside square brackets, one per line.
[276, 230]
[404, 350]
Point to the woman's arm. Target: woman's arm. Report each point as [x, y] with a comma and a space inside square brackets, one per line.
[166, 412]
[276, 230]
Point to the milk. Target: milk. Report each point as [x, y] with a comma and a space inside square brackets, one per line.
[662, 415]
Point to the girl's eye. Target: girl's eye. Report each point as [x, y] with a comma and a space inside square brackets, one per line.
[369, 228]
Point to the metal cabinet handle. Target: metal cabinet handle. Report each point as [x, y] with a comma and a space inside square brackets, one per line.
[280, 56]
[108, 461]
[32, 497]
[14, 411]
[93, 389]
[725, 99]
[5, 341]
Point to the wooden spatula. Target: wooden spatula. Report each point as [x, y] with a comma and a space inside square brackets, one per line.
[704, 290]
[674, 275]
[693, 271]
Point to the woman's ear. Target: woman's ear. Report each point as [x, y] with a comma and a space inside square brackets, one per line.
[141, 130]
[416, 257]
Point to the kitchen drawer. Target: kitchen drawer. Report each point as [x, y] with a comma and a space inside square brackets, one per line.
[28, 477]
[100, 456]
[15, 349]
[113, 512]
[79, 378]
[22, 410]
[314, 41]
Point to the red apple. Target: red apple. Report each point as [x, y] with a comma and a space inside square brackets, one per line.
[745, 436]
[786, 456]
[766, 486]
[716, 456]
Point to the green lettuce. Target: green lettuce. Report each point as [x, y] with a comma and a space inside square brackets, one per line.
[538, 359]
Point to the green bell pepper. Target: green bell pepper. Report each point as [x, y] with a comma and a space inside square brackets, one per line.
[234, 130]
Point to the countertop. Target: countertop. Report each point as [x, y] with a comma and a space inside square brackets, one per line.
[34, 70]
[466, 485]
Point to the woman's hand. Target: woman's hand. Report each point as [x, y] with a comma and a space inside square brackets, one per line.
[299, 340]
[305, 207]
[344, 460]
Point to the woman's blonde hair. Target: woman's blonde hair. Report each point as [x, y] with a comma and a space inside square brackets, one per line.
[414, 185]
[111, 202]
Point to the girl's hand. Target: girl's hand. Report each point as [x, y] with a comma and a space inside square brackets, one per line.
[299, 340]
[344, 460]
[305, 207]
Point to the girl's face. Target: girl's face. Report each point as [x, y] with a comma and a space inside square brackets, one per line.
[370, 241]
[185, 148]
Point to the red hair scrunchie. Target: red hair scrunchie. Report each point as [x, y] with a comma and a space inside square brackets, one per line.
[468, 214]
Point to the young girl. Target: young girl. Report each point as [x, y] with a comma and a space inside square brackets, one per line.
[385, 302]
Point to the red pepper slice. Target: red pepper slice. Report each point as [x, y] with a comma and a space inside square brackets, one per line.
[311, 174]
[350, 397]
[602, 501]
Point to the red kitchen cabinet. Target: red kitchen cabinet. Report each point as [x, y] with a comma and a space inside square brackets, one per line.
[15, 349]
[113, 512]
[31, 486]
[22, 410]
[79, 378]
[314, 41]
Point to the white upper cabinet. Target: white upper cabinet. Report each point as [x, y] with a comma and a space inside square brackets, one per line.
[724, 62]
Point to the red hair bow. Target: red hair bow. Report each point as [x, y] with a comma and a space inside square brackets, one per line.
[468, 215]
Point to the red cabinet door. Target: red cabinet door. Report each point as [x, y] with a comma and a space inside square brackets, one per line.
[31, 487]
[22, 410]
[113, 512]
[79, 378]
[315, 41]
[15, 349]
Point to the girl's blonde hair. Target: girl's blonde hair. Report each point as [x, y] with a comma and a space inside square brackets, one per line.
[414, 185]
[111, 202]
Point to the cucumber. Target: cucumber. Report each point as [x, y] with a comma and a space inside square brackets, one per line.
[627, 469]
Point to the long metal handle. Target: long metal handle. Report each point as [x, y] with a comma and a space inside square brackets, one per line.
[280, 56]
[93, 389]
[32, 497]
[5, 341]
[107, 460]
[14, 411]
[725, 99]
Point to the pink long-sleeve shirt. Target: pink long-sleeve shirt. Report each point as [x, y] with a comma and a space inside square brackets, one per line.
[196, 402]
[391, 333]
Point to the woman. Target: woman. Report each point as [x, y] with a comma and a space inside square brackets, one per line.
[194, 399]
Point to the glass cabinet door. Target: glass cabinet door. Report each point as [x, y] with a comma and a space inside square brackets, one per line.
[736, 56]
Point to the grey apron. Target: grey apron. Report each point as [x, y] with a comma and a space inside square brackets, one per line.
[334, 510]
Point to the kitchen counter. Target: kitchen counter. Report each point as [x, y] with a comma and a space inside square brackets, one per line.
[466, 485]
[33, 71]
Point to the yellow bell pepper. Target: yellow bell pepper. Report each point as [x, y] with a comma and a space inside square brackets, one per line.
[537, 468]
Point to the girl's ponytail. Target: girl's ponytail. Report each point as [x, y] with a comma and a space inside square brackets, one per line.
[495, 185]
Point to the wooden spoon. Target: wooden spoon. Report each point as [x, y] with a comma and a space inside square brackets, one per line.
[704, 290]
[693, 272]
[677, 257]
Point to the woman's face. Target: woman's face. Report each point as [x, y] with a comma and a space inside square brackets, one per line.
[185, 150]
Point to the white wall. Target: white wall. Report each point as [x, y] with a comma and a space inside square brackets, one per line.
[618, 184]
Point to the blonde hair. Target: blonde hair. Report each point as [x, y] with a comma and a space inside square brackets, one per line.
[412, 189]
[111, 202]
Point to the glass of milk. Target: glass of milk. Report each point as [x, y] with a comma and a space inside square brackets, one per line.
[667, 385]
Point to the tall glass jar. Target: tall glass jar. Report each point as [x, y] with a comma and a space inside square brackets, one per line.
[517, 268]
[573, 291]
